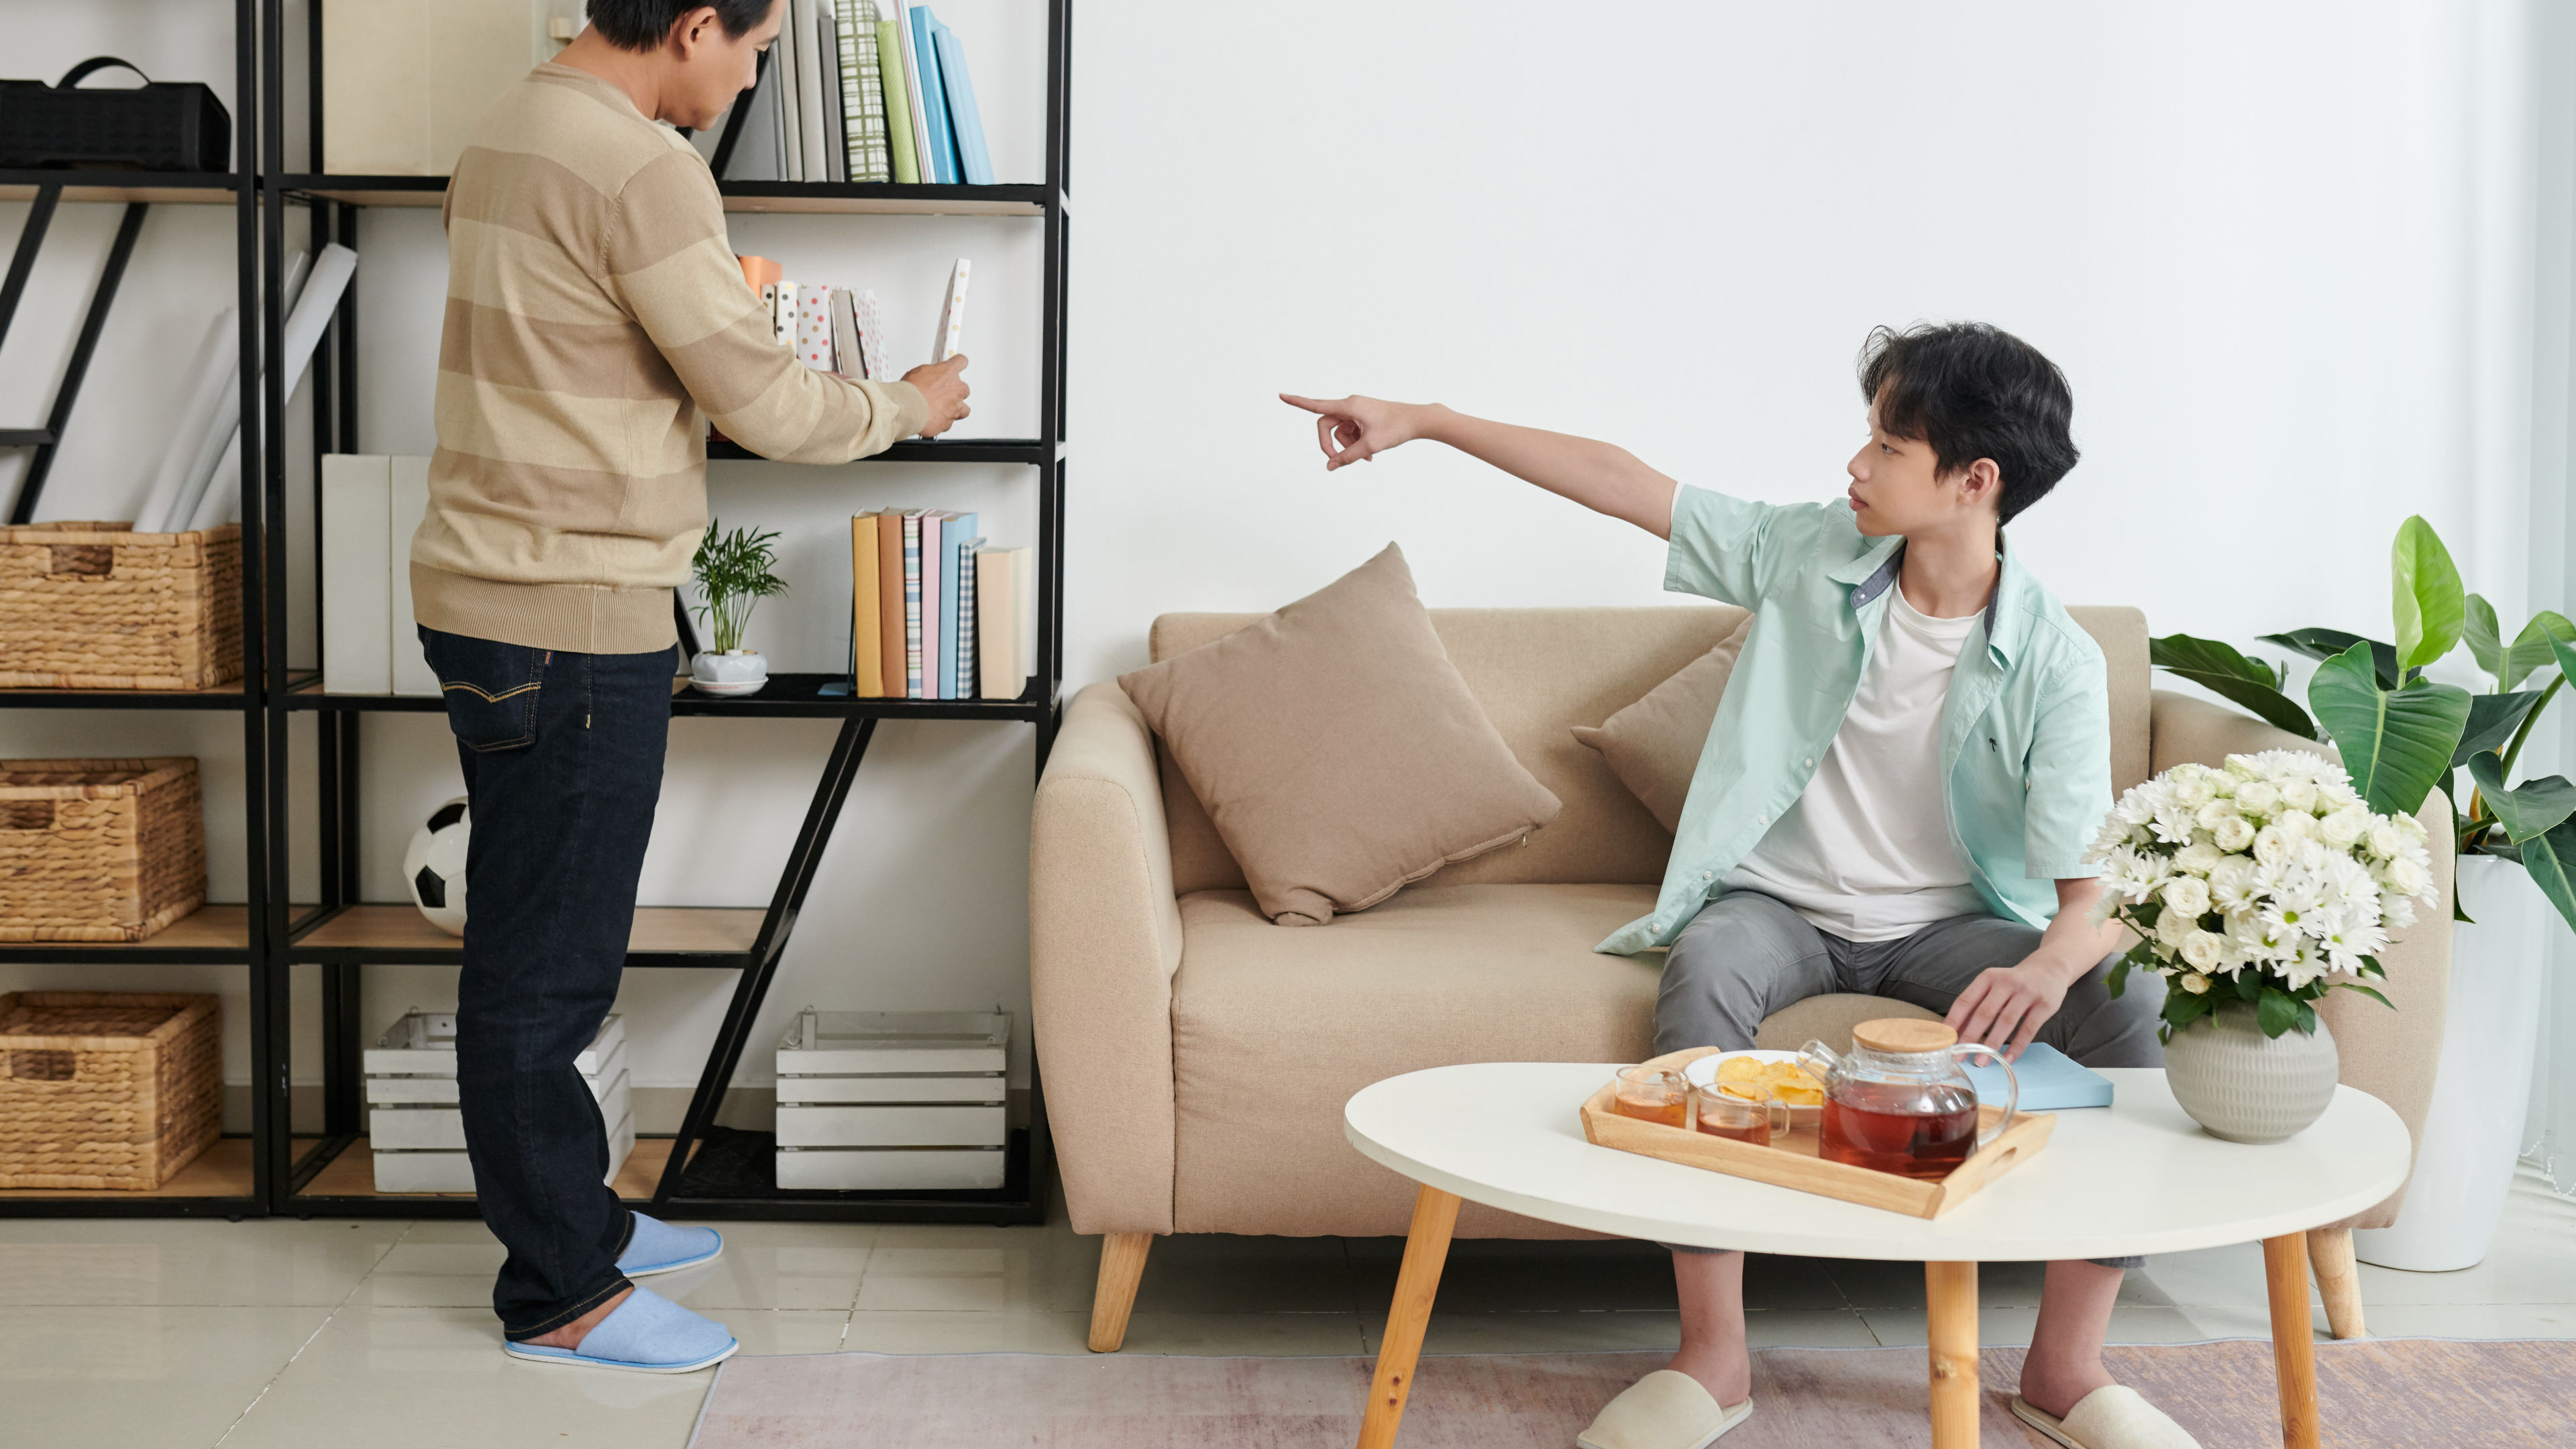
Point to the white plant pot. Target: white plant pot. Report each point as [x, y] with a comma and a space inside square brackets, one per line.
[2243, 1086]
[2482, 1088]
[733, 671]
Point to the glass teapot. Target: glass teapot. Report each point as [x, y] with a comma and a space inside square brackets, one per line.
[1901, 1102]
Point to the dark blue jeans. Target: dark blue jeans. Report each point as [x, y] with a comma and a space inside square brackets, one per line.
[563, 765]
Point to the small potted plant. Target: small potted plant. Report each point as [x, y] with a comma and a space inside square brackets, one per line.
[2256, 886]
[734, 574]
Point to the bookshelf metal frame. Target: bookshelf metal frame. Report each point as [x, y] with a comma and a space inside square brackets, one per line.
[342, 934]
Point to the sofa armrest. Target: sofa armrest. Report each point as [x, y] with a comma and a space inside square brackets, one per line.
[1104, 940]
[2389, 1054]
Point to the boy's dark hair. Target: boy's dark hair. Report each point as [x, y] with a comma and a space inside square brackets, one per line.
[643, 24]
[1974, 391]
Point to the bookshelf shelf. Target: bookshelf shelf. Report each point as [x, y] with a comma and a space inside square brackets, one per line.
[221, 1183]
[925, 450]
[378, 934]
[209, 935]
[222, 696]
[181, 188]
[788, 696]
[826, 198]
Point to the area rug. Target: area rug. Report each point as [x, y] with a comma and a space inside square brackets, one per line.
[2468, 1395]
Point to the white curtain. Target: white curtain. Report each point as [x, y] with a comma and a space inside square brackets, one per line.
[2549, 57]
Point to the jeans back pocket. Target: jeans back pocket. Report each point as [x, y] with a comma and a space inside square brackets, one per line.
[491, 688]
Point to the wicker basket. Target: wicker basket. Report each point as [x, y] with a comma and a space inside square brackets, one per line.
[104, 1090]
[99, 606]
[99, 850]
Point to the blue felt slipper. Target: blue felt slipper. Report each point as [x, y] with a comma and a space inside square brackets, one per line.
[648, 1334]
[657, 1247]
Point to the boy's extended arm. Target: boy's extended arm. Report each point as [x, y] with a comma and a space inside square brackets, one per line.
[1603, 477]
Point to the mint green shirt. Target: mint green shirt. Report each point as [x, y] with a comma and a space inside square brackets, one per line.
[2025, 729]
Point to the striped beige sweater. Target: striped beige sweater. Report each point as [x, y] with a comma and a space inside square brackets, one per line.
[596, 318]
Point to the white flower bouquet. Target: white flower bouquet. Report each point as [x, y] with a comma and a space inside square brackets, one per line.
[2266, 880]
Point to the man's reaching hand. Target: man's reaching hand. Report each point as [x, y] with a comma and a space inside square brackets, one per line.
[943, 386]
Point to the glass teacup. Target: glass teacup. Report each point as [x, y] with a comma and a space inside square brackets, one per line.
[1719, 1112]
[1652, 1094]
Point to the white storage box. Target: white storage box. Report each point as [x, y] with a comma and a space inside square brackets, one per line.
[414, 1127]
[893, 1099]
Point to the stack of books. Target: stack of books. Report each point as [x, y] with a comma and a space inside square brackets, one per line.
[857, 90]
[936, 613]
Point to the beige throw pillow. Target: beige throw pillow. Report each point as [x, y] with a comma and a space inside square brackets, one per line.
[1337, 749]
[1653, 746]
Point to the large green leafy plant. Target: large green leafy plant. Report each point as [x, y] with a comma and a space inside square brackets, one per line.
[733, 572]
[2401, 734]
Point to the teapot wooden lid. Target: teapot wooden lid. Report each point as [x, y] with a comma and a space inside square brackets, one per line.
[1904, 1034]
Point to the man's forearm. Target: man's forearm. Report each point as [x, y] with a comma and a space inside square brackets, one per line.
[2072, 941]
[1601, 476]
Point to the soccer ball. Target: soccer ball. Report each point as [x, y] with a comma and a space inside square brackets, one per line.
[434, 866]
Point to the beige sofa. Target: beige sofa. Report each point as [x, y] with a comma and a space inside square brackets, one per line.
[1197, 1057]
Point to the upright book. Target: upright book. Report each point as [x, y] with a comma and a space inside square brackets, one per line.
[809, 90]
[915, 89]
[955, 532]
[863, 109]
[836, 141]
[890, 587]
[912, 606]
[933, 566]
[867, 632]
[791, 137]
[964, 120]
[902, 159]
[952, 313]
[1003, 599]
[934, 97]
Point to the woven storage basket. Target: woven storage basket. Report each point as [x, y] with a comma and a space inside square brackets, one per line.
[112, 1090]
[99, 850]
[99, 606]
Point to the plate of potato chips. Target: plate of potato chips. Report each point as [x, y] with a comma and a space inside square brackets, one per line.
[1759, 1076]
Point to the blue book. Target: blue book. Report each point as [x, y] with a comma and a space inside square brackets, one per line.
[956, 530]
[2050, 1081]
[963, 117]
[942, 164]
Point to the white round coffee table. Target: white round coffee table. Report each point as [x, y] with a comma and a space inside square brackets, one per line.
[2136, 1177]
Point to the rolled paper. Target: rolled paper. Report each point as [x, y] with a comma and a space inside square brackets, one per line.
[303, 333]
[223, 425]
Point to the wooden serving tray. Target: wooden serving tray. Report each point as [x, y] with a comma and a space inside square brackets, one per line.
[1791, 1160]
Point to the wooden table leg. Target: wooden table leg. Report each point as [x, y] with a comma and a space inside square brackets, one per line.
[2294, 1349]
[1950, 1295]
[1426, 1248]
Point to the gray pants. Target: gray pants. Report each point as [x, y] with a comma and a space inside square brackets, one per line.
[1747, 955]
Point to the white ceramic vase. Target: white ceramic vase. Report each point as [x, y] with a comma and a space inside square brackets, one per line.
[2482, 1089]
[2244, 1086]
[730, 671]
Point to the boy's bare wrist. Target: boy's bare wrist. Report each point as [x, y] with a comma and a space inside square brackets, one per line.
[1431, 421]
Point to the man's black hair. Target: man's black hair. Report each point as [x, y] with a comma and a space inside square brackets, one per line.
[644, 24]
[1974, 391]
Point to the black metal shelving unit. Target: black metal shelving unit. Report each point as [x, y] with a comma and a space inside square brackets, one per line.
[237, 1177]
[342, 934]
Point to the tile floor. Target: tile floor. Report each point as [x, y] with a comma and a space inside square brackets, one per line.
[286, 1334]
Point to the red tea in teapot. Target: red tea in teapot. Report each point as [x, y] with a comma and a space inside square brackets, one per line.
[1891, 1130]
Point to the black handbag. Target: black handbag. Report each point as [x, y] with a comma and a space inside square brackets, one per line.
[159, 126]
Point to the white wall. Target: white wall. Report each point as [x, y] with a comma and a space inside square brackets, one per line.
[2281, 251]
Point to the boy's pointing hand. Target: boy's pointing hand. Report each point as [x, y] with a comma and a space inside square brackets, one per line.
[1356, 429]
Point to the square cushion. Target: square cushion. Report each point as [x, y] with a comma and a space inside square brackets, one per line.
[1336, 748]
[1272, 1031]
[1654, 745]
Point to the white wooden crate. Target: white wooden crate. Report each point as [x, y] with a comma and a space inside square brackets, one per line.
[892, 1126]
[914, 1168]
[414, 1128]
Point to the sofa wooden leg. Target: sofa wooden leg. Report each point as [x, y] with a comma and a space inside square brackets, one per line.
[2338, 1280]
[1122, 1267]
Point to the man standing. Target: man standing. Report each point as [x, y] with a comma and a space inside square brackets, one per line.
[596, 320]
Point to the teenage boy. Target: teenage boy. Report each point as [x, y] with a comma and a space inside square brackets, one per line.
[1910, 758]
[596, 320]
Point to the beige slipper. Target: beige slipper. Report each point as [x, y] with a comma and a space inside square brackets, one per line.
[1666, 1409]
[2114, 1417]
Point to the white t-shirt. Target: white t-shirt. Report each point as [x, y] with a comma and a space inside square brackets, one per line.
[1865, 852]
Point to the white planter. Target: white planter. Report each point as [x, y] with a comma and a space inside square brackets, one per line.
[2482, 1089]
[2243, 1086]
[734, 671]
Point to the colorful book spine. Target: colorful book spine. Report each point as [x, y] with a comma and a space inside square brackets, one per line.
[934, 98]
[969, 643]
[871, 323]
[900, 155]
[814, 327]
[965, 121]
[912, 606]
[867, 632]
[890, 600]
[863, 109]
[932, 632]
[954, 531]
